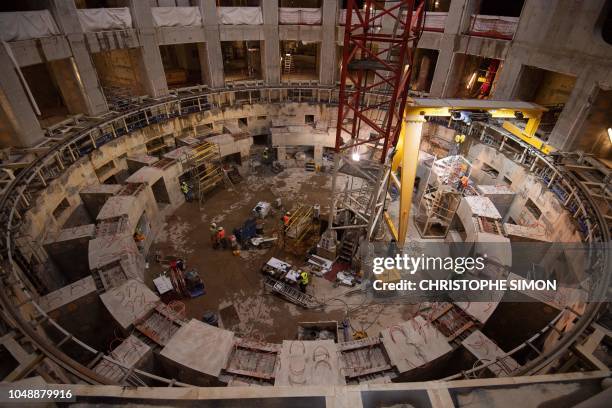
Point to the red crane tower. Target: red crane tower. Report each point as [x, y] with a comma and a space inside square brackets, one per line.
[378, 62]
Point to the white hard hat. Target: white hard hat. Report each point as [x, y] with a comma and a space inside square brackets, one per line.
[220, 229]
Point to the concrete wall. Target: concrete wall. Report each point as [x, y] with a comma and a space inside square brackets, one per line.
[562, 37]
[558, 223]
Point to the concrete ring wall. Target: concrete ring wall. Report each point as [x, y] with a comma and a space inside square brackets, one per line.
[81, 171]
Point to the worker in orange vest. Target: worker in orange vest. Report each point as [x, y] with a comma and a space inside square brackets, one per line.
[286, 218]
[464, 182]
[221, 237]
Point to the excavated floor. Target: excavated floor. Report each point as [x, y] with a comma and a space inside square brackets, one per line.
[236, 281]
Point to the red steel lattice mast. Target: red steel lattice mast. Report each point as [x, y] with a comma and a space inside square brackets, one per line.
[378, 65]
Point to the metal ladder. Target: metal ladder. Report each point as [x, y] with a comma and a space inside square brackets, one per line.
[291, 294]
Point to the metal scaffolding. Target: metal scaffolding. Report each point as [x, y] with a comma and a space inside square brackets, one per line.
[379, 62]
[205, 170]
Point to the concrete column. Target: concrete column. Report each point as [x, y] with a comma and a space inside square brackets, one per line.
[327, 55]
[87, 88]
[318, 155]
[211, 59]
[151, 65]
[459, 16]
[270, 57]
[19, 125]
[577, 108]
[509, 76]
[281, 153]
[457, 23]
[444, 64]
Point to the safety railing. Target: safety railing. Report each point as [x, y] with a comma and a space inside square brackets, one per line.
[493, 26]
[14, 202]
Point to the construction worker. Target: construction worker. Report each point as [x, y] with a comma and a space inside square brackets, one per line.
[463, 183]
[265, 157]
[286, 218]
[139, 238]
[459, 139]
[234, 245]
[221, 237]
[213, 234]
[303, 281]
[186, 191]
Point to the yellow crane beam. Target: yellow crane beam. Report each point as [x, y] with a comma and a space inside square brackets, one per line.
[407, 148]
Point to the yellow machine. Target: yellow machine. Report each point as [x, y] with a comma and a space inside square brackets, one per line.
[407, 149]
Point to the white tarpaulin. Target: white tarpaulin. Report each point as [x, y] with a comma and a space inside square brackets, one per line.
[290, 15]
[240, 15]
[25, 25]
[494, 26]
[435, 21]
[176, 16]
[355, 18]
[103, 19]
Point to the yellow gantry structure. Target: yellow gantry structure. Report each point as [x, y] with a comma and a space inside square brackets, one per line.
[407, 149]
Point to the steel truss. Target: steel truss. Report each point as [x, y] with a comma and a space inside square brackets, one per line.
[380, 61]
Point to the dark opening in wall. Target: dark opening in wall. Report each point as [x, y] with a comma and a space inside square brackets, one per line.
[8, 362]
[241, 60]
[243, 122]
[61, 208]
[160, 192]
[300, 3]
[475, 77]
[181, 65]
[299, 59]
[507, 181]
[606, 22]
[547, 88]
[501, 8]
[595, 137]
[238, 3]
[100, 3]
[490, 170]
[261, 140]
[41, 80]
[119, 73]
[533, 209]
[424, 67]
[309, 119]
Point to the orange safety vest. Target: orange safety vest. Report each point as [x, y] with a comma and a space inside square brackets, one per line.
[285, 219]
[221, 234]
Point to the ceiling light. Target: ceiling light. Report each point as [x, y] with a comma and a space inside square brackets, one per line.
[471, 81]
[355, 155]
[610, 134]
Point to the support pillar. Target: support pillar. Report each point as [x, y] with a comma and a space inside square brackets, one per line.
[85, 93]
[327, 55]
[575, 112]
[19, 126]
[457, 23]
[407, 156]
[211, 57]
[271, 46]
[151, 64]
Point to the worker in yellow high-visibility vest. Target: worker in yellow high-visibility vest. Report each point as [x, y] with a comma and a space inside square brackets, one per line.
[459, 139]
[303, 281]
